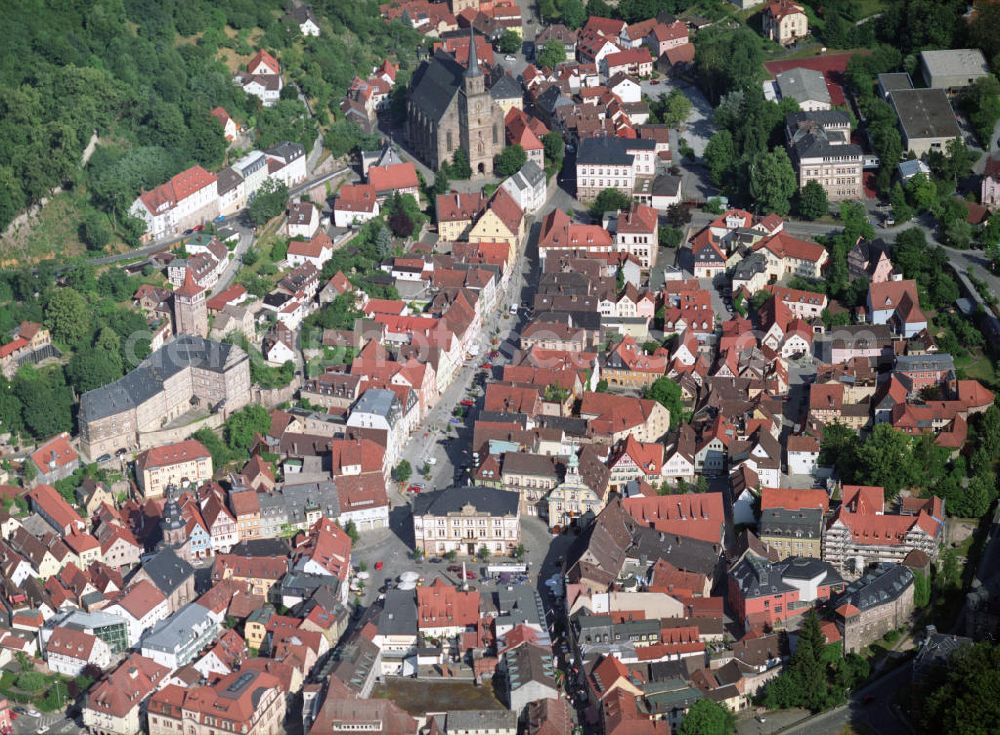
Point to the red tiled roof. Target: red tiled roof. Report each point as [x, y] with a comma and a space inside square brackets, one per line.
[181, 186]
[393, 177]
[786, 246]
[312, 248]
[698, 516]
[140, 599]
[628, 57]
[263, 57]
[793, 499]
[126, 687]
[779, 9]
[171, 454]
[459, 206]
[13, 346]
[441, 605]
[230, 295]
[71, 643]
[57, 450]
[52, 503]
[356, 198]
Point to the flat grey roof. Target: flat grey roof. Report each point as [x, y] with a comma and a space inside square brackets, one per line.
[968, 62]
[925, 113]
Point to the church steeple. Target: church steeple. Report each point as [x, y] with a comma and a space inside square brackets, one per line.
[473, 69]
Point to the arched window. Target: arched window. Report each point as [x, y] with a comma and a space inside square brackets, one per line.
[449, 141]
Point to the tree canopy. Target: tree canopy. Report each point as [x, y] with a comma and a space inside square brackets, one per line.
[963, 695]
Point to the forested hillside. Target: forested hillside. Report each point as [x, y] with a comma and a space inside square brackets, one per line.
[145, 74]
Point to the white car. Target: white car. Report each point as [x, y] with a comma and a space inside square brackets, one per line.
[509, 57]
[431, 461]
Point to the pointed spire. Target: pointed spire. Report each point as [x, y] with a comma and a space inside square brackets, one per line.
[190, 287]
[473, 69]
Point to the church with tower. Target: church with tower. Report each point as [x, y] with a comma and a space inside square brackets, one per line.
[449, 107]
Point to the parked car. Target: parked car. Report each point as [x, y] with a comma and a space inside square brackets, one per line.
[103, 458]
[469, 574]
[435, 560]
[509, 57]
[379, 565]
[486, 366]
[467, 403]
[198, 228]
[414, 489]
[456, 422]
[454, 568]
[495, 354]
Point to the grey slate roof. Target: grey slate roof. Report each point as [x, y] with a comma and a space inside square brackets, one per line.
[757, 577]
[530, 176]
[286, 151]
[824, 118]
[803, 85]
[880, 585]
[399, 613]
[435, 84]
[506, 88]
[805, 523]
[453, 499]
[937, 361]
[147, 379]
[167, 571]
[894, 80]
[667, 185]
[170, 634]
[377, 401]
[611, 151]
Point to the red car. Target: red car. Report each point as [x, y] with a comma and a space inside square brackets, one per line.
[414, 489]
[454, 567]
[378, 566]
[495, 353]
[470, 574]
[486, 366]
[467, 403]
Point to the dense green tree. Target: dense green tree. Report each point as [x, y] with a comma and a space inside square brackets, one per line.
[668, 394]
[287, 120]
[459, 167]
[805, 682]
[839, 448]
[552, 53]
[813, 202]
[707, 718]
[115, 284]
[921, 590]
[676, 109]
[720, 156]
[609, 200]
[68, 316]
[92, 367]
[401, 472]
[510, 42]
[975, 500]
[95, 231]
[914, 25]
[268, 201]
[727, 60]
[555, 150]
[772, 181]
[572, 13]
[46, 401]
[963, 695]
[242, 426]
[216, 447]
[206, 141]
[901, 210]
[886, 459]
[510, 160]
